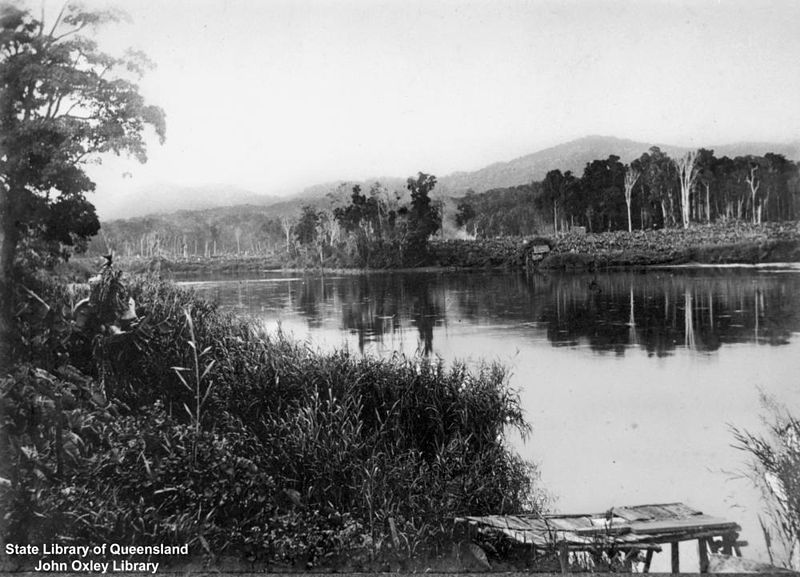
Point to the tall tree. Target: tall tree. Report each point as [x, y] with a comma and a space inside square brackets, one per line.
[63, 103]
[658, 173]
[306, 228]
[687, 175]
[423, 217]
[553, 194]
[602, 184]
[753, 180]
[778, 173]
[706, 177]
[631, 177]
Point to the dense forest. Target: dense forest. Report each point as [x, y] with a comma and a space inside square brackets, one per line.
[656, 191]
[380, 227]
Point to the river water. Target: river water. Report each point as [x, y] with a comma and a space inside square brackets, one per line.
[631, 380]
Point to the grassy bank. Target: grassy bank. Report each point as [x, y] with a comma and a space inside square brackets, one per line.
[189, 425]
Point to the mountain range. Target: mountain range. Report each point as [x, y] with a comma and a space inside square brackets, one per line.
[573, 155]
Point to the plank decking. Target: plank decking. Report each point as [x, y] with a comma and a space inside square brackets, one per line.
[624, 529]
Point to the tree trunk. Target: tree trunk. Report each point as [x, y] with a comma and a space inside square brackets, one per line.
[9, 236]
[555, 219]
[630, 225]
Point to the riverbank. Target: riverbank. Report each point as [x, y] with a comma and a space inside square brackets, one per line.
[215, 434]
[733, 243]
[736, 243]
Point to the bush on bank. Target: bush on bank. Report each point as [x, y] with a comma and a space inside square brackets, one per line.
[190, 425]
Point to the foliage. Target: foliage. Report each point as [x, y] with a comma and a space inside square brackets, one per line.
[63, 103]
[775, 469]
[424, 219]
[305, 230]
[746, 188]
[243, 230]
[465, 213]
[296, 457]
[505, 212]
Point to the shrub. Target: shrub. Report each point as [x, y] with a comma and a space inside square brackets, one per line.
[296, 455]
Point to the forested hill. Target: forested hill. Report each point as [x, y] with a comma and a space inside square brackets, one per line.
[572, 156]
[576, 154]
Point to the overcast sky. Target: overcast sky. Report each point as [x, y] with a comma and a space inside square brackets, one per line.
[277, 95]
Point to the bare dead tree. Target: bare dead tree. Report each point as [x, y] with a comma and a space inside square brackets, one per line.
[755, 183]
[687, 175]
[287, 225]
[631, 177]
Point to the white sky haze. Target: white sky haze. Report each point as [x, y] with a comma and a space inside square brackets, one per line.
[277, 95]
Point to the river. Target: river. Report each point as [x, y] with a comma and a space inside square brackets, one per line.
[631, 380]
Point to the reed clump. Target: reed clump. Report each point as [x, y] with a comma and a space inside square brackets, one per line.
[191, 425]
[774, 468]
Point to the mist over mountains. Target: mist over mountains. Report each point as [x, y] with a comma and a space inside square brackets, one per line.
[167, 198]
[573, 156]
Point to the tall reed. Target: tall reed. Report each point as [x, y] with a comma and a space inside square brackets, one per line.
[775, 469]
[245, 442]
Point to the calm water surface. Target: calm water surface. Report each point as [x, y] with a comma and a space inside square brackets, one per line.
[630, 380]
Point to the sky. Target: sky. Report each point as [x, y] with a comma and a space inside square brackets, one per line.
[274, 95]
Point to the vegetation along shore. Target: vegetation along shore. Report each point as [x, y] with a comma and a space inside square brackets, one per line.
[731, 243]
[654, 210]
[135, 412]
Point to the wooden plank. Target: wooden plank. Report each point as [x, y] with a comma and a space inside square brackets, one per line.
[678, 510]
[702, 554]
[696, 523]
[661, 510]
[631, 514]
[676, 557]
[670, 537]
[571, 524]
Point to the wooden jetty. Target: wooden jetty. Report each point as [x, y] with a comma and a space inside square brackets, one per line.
[621, 530]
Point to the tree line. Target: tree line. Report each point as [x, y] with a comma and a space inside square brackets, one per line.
[375, 228]
[383, 228]
[656, 191]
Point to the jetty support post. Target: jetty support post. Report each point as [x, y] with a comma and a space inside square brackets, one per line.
[647, 560]
[702, 554]
[676, 556]
[563, 556]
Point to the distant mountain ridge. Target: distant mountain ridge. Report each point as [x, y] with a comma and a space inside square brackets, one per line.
[167, 198]
[573, 155]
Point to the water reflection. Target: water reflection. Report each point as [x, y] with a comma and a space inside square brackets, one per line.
[614, 423]
[660, 312]
[657, 311]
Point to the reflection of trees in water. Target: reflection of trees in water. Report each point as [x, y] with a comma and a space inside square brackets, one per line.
[613, 311]
[369, 308]
[375, 305]
[379, 304]
[663, 311]
[309, 298]
[657, 311]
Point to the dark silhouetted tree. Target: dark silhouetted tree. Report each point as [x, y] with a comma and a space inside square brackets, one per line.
[63, 103]
[424, 219]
